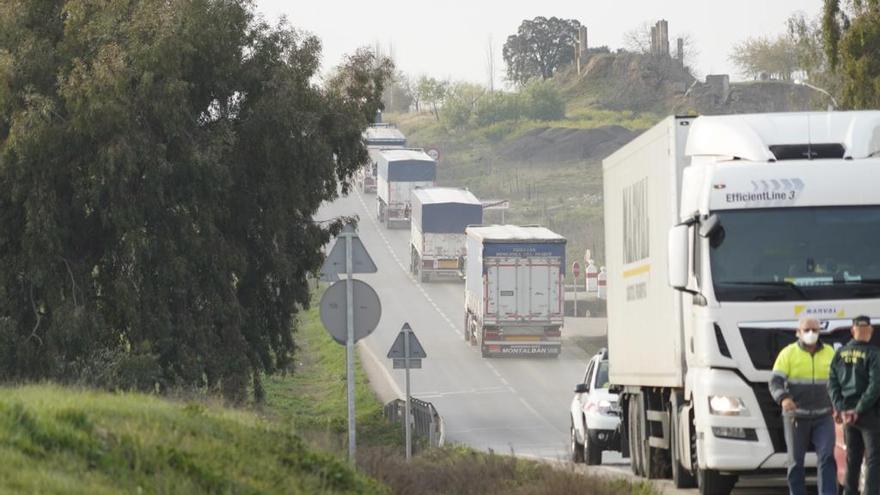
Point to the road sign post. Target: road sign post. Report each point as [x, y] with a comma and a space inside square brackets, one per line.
[349, 348]
[361, 317]
[406, 352]
[576, 272]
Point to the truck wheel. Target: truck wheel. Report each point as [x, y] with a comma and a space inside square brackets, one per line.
[712, 482]
[485, 352]
[576, 449]
[467, 328]
[592, 450]
[681, 477]
[635, 435]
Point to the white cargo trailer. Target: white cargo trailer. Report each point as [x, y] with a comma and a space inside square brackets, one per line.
[440, 216]
[513, 290]
[399, 173]
[720, 233]
[377, 136]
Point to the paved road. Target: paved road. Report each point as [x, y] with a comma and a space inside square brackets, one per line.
[517, 405]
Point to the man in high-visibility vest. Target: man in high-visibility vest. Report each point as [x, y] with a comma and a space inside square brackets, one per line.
[800, 385]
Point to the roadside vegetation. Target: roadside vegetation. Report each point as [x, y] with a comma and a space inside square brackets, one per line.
[56, 440]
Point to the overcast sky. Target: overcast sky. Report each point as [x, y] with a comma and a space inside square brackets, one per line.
[449, 39]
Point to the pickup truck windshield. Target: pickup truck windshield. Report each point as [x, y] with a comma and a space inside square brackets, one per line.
[773, 254]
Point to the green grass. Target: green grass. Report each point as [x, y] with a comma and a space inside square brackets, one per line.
[313, 399]
[62, 440]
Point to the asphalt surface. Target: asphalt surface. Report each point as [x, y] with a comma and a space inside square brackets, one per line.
[508, 405]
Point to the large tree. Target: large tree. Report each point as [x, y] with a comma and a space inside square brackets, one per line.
[160, 165]
[851, 35]
[539, 48]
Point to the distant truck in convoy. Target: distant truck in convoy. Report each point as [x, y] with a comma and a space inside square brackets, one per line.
[720, 233]
[440, 216]
[377, 137]
[513, 290]
[400, 172]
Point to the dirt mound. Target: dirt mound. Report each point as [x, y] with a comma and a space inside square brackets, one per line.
[561, 145]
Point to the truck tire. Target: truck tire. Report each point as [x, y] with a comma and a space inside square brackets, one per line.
[467, 327]
[592, 450]
[712, 482]
[681, 476]
[412, 259]
[576, 449]
[635, 435]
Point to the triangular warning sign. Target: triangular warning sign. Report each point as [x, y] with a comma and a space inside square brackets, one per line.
[361, 262]
[398, 347]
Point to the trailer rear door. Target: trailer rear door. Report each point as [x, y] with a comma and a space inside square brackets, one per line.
[525, 289]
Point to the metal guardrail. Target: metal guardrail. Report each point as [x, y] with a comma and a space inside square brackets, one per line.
[427, 423]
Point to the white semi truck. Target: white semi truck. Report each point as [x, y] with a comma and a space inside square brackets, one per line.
[399, 173]
[377, 136]
[513, 290]
[440, 216]
[720, 233]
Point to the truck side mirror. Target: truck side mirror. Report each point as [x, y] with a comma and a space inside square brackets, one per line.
[678, 257]
[581, 388]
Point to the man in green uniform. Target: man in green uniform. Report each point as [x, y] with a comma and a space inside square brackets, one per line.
[854, 387]
[799, 384]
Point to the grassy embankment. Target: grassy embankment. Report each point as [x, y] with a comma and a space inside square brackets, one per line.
[61, 440]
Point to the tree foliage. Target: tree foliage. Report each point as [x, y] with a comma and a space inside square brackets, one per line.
[851, 36]
[432, 92]
[160, 165]
[775, 57]
[539, 48]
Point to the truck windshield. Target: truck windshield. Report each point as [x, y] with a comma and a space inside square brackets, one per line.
[796, 253]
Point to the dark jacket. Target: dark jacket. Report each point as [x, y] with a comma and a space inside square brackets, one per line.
[854, 382]
[803, 376]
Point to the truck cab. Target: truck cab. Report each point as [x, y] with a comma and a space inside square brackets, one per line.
[775, 217]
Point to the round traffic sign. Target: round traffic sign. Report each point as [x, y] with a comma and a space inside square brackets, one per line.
[367, 310]
[576, 269]
[434, 153]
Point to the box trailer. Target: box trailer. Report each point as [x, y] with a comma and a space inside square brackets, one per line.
[513, 290]
[377, 137]
[440, 216]
[399, 172]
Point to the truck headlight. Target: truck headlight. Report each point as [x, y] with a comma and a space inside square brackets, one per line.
[727, 405]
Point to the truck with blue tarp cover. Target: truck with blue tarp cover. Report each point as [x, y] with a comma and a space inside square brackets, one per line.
[440, 216]
[399, 173]
[513, 290]
[377, 137]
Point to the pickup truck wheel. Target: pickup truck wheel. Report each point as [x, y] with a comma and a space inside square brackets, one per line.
[576, 449]
[593, 452]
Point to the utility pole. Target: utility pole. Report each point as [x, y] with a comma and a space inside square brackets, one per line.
[490, 64]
